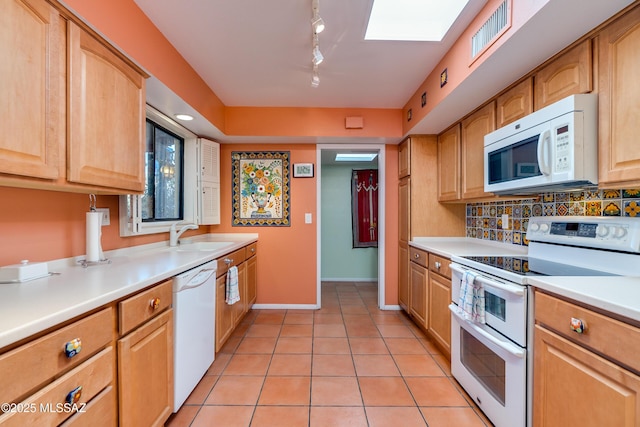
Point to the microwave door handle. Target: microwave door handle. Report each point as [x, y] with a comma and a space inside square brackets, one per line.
[544, 140]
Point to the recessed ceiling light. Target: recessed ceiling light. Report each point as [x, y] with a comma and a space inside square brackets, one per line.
[412, 20]
[186, 117]
[355, 157]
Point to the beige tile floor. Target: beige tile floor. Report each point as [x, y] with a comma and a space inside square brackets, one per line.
[347, 364]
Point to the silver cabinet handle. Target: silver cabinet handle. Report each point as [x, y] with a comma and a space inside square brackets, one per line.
[438, 265]
[417, 256]
[228, 261]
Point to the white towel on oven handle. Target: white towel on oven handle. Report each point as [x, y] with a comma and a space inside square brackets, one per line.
[471, 300]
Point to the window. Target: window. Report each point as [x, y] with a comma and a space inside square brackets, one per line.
[170, 183]
[163, 191]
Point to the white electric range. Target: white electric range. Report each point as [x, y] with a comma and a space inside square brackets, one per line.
[492, 357]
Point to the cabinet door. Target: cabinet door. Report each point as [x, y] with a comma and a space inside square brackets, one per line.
[474, 128]
[515, 103]
[404, 158]
[439, 315]
[209, 203]
[106, 116]
[403, 276]
[619, 101]
[145, 373]
[418, 282]
[32, 93]
[566, 75]
[224, 313]
[240, 308]
[252, 281]
[449, 164]
[574, 387]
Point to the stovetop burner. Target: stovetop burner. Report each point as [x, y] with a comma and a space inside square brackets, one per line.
[526, 266]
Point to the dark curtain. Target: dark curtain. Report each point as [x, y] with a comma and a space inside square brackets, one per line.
[364, 213]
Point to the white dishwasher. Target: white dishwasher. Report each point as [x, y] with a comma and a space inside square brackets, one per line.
[194, 311]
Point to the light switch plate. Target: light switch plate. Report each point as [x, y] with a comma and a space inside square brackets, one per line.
[307, 218]
[106, 217]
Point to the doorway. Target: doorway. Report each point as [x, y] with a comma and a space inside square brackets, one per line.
[325, 157]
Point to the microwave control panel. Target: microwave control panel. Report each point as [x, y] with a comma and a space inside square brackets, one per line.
[563, 149]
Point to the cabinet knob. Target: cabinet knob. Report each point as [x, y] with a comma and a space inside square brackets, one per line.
[578, 325]
[73, 347]
[228, 261]
[253, 249]
[417, 256]
[74, 395]
[438, 265]
[154, 303]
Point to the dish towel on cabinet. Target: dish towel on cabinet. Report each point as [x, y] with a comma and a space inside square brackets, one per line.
[232, 293]
[471, 299]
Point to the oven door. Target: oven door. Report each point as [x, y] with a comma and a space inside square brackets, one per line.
[505, 303]
[491, 368]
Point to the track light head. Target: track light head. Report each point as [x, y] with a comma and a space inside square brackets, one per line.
[317, 56]
[317, 23]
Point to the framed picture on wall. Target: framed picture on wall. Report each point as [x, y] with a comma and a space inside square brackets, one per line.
[303, 170]
[260, 188]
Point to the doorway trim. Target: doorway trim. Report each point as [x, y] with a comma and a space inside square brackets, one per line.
[380, 148]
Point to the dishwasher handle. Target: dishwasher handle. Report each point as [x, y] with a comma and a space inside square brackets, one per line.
[199, 279]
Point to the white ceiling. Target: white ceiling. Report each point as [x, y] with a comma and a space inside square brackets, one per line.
[258, 53]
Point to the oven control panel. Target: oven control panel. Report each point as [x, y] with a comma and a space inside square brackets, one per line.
[596, 232]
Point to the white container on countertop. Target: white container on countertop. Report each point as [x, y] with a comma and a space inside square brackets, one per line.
[24, 271]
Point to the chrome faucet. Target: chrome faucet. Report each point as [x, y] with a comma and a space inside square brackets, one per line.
[174, 235]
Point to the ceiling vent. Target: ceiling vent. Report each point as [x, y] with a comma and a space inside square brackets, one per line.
[492, 29]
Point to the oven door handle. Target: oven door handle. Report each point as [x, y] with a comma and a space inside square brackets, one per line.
[513, 290]
[510, 348]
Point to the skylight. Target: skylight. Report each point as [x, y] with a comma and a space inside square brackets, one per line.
[412, 20]
[355, 157]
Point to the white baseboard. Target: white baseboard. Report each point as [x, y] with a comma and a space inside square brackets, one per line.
[349, 279]
[391, 307]
[286, 306]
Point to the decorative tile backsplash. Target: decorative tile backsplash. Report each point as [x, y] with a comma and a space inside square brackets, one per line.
[484, 220]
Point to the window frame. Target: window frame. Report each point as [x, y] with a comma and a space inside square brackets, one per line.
[131, 223]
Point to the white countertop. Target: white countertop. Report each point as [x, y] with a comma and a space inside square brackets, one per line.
[30, 307]
[449, 246]
[615, 294]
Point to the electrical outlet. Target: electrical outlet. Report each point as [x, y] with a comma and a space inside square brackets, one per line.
[106, 217]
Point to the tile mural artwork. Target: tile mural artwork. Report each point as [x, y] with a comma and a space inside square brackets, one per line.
[484, 220]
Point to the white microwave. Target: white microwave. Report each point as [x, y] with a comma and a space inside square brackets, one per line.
[554, 148]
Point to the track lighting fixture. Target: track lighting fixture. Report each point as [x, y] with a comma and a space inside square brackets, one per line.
[317, 26]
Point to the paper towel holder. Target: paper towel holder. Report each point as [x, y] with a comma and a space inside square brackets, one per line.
[85, 262]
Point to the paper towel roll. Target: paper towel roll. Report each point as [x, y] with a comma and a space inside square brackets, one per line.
[94, 248]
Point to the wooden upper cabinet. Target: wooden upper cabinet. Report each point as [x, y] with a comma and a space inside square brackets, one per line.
[568, 74]
[106, 116]
[619, 101]
[515, 103]
[404, 158]
[473, 129]
[449, 164]
[32, 93]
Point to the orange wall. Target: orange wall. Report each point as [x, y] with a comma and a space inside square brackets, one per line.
[46, 225]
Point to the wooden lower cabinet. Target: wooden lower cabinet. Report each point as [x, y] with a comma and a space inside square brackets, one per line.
[229, 316]
[575, 387]
[145, 373]
[403, 276]
[439, 317]
[587, 379]
[418, 296]
[100, 411]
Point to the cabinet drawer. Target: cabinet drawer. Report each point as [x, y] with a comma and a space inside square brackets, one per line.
[602, 334]
[419, 256]
[139, 308]
[440, 265]
[231, 259]
[48, 404]
[251, 250]
[101, 411]
[46, 356]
